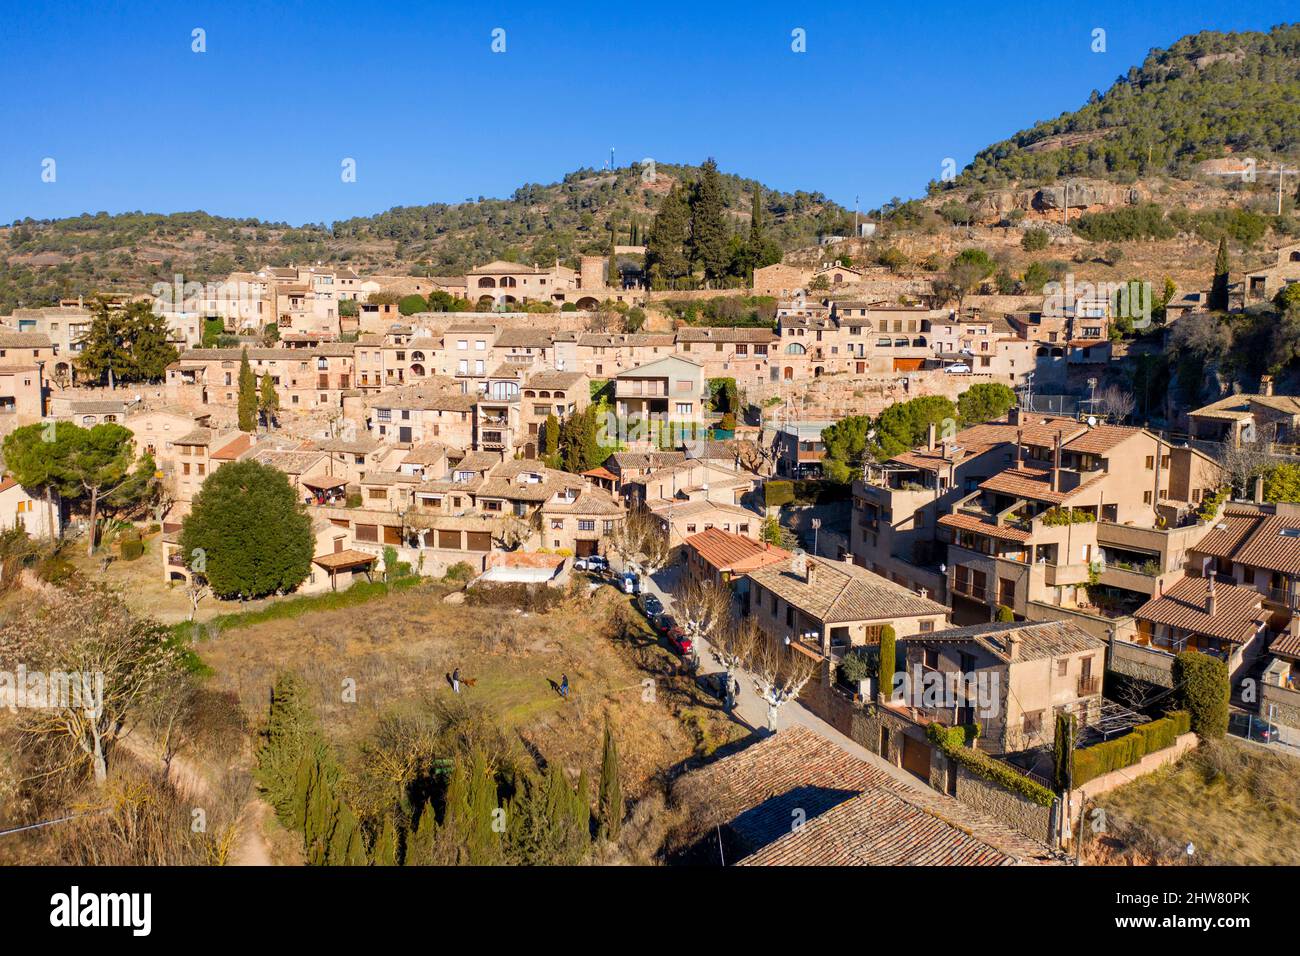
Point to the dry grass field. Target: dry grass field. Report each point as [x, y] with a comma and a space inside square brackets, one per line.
[397, 652]
[1237, 802]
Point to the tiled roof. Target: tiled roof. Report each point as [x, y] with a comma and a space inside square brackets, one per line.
[689, 334]
[727, 551]
[524, 338]
[1039, 640]
[1100, 439]
[1228, 534]
[1237, 611]
[878, 828]
[233, 448]
[754, 794]
[1269, 548]
[1286, 645]
[1032, 483]
[971, 523]
[841, 592]
[554, 379]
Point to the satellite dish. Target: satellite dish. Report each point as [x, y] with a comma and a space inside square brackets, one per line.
[1092, 421]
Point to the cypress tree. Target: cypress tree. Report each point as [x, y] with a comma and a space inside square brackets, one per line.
[756, 224]
[385, 851]
[665, 246]
[611, 791]
[247, 395]
[419, 848]
[1063, 752]
[708, 223]
[452, 843]
[485, 840]
[550, 438]
[268, 401]
[1219, 290]
[614, 277]
[888, 661]
[582, 806]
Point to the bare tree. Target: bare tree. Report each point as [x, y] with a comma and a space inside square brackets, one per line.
[703, 608]
[1116, 402]
[779, 674]
[101, 666]
[732, 645]
[195, 591]
[1251, 456]
[641, 540]
[514, 532]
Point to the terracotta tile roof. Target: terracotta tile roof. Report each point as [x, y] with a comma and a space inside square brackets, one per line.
[554, 379]
[1038, 641]
[727, 551]
[524, 338]
[1269, 547]
[233, 448]
[971, 523]
[841, 592]
[1238, 611]
[878, 828]
[1228, 534]
[1286, 645]
[753, 793]
[1031, 483]
[1100, 439]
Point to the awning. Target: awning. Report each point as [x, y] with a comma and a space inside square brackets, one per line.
[344, 560]
[324, 482]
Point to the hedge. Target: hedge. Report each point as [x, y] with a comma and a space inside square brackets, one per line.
[1125, 751]
[951, 740]
[776, 493]
[131, 549]
[1203, 692]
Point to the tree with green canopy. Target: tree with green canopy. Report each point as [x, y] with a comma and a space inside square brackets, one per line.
[248, 531]
[610, 804]
[984, 402]
[1218, 301]
[846, 443]
[247, 407]
[708, 223]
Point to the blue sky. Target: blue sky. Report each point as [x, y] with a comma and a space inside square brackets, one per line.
[259, 123]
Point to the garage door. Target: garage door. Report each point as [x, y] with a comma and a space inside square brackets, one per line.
[916, 757]
[583, 547]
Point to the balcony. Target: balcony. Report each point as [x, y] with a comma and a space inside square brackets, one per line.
[1089, 686]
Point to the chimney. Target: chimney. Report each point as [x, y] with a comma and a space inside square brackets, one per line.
[1013, 647]
[1266, 385]
[1209, 596]
[1020, 447]
[1056, 463]
[811, 571]
[930, 435]
[1013, 416]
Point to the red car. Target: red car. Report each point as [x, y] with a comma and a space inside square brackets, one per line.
[678, 641]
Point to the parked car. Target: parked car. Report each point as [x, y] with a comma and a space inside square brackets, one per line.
[650, 605]
[630, 583]
[960, 368]
[663, 623]
[592, 562]
[678, 640]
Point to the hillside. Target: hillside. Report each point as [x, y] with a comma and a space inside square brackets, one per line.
[1206, 96]
[41, 261]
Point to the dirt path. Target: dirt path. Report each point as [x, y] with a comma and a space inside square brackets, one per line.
[252, 848]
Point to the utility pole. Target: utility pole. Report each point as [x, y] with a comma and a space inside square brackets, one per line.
[1282, 171]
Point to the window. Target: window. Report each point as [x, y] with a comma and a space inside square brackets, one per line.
[1062, 667]
[1151, 463]
[1146, 497]
[586, 524]
[927, 627]
[683, 408]
[930, 658]
[1032, 722]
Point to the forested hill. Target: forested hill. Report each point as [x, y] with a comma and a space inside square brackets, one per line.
[1205, 97]
[43, 260]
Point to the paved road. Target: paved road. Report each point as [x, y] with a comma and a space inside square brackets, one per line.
[750, 708]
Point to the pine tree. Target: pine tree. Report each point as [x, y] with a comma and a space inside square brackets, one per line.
[247, 395]
[611, 791]
[106, 347]
[665, 246]
[151, 345]
[708, 224]
[1219, 290]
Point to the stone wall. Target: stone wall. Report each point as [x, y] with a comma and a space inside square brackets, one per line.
[834, 396]
[1031, 819]
[1144, 663]
[1286, 702]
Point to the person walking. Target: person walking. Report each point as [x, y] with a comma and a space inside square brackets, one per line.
[455, 680]
[564, 686]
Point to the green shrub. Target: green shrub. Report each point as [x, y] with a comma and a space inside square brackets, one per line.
[131, 549]
[856, 666]
[460, 571]
[777, 493]
[1005, 614]
[1202, 681]
[1125, 751]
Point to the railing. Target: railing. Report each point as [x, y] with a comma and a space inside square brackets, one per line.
[1089, 686]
